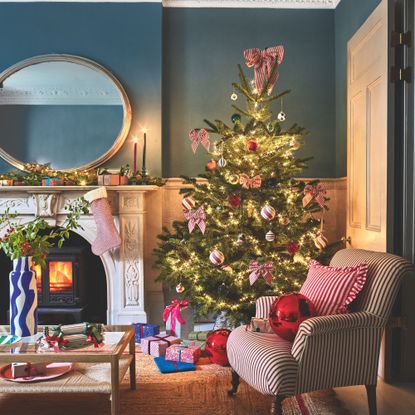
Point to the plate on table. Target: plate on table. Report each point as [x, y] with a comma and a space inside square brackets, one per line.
[53, 370]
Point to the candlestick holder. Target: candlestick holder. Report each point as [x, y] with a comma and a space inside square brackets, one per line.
[143, 175]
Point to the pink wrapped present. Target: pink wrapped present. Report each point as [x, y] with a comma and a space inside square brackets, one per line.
[158, 344]
[183, 353]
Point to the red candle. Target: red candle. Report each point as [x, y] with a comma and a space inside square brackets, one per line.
[135, 157]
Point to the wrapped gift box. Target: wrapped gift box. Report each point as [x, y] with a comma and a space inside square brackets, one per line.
[157, 345]
[183, 353]
[145, 330]
[21, 370]
[179, 329]
[112, 180]
[259, 325]
[52, 181]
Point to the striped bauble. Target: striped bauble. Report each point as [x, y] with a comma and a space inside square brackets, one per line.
[270, 236]
[268, 212]
[216, 257]
[188, 203]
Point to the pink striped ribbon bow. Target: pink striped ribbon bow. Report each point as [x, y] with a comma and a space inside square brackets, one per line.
[173, 311]
[199, 137]
[196, 217]
[247, 182]
[260, 270]
[317, 193]
[262, 61]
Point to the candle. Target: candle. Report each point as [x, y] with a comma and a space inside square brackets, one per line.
[144, 152]
[135, 156]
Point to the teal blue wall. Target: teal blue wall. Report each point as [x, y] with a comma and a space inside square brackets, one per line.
[348, 17]
[196, 66]
[125, 38]
[201, 48]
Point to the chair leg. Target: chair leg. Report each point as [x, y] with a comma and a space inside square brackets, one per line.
[276, 407]
[371, 399]
[235, 383]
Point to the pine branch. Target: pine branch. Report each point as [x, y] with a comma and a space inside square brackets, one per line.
[273, 98]
[243, 79]
[244, 91]
[214, 128]
[242, 111]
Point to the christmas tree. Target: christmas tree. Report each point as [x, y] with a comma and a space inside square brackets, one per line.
[250, 227]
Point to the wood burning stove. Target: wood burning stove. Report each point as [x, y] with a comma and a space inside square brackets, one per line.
[61, 285]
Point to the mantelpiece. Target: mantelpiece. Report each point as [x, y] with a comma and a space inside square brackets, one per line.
[124, 267]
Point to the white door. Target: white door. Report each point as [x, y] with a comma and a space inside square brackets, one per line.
[367, 132]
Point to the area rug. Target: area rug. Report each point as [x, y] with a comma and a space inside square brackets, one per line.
[202, 392]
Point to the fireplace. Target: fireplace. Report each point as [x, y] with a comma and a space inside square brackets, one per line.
[71, 287]
[62, 282]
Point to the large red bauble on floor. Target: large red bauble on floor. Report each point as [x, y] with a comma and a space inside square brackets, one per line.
[216, 346]
[288, 312]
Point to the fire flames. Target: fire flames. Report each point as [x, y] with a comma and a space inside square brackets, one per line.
[60, 276]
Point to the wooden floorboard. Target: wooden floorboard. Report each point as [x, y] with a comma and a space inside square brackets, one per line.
[398, 399]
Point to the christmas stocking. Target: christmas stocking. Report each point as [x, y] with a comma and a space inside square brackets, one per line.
[107, 234]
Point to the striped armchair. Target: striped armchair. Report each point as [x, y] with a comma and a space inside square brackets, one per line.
[328, 351]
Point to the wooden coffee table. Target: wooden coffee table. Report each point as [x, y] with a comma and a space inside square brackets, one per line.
[96, 370]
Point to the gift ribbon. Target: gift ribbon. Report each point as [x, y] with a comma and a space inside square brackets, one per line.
[196, 217]
[263, 61]
[173, 311]
[317, 193]
[158, 338]
[260, 270]
[199, 137]
[247, 182]
[56, 342]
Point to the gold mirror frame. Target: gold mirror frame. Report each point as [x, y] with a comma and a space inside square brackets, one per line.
[127, 117]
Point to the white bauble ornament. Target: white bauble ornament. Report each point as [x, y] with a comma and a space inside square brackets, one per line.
[222, 162]
[188, 203]
[234, 96]
[270, 236]
[321, 242]
[241, 239]
[179, 288]
[281, 116]
[216, 257]
[268, 212]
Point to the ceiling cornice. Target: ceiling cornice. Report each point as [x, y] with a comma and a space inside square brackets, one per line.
[270, 4]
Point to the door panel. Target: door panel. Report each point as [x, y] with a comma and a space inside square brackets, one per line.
[367, 132]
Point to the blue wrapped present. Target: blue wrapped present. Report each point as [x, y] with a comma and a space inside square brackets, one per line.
[145, 330]
[166, 366]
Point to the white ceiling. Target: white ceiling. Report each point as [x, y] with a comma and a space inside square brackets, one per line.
[274, 4]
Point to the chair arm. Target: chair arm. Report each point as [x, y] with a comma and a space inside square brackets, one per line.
[323, 325]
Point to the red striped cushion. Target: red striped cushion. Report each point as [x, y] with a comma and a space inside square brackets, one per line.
[332, 289]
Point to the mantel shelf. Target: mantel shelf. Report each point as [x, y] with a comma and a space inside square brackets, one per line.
[50, 189]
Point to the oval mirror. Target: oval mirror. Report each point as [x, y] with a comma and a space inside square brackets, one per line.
[61, 109]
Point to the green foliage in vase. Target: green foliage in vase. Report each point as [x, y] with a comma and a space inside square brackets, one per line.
[32, 238]
[256, 145]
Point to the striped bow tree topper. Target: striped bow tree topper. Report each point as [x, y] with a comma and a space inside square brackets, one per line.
[314, 192]
[260, 270]
[263, 61]
[196, 217]
[199, 137]
[247, 182]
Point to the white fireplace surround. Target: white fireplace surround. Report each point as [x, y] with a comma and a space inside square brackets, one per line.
[124, 267]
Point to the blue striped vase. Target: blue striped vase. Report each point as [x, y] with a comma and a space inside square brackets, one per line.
[23, 298]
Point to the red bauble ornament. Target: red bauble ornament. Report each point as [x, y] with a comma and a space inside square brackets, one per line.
[288, 312]
[293, 247]
[234, 200]
[252, 145]
[216, 346]
[211, 165]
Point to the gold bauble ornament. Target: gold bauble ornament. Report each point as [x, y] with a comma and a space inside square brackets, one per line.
[233, 179]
